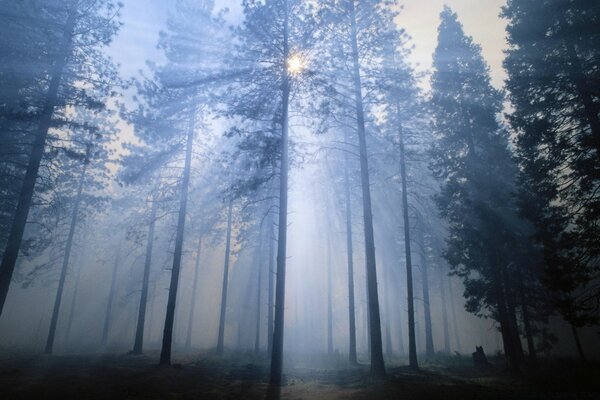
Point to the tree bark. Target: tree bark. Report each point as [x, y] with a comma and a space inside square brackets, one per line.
[17, 228]
[221, 337]
[165, 354]
[138, 345]
[188, 339]
[277, 353]
[67, 255]
[377, 363]
[350, 261]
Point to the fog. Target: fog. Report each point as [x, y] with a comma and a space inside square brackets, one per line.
[286, 188]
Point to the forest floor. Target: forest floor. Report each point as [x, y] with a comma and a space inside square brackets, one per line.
[244, 377]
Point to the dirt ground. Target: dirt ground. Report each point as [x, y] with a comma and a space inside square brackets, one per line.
[235, 377]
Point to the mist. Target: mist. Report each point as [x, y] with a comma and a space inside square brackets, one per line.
[299, 199]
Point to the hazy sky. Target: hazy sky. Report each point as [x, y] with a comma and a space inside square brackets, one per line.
[143, 19]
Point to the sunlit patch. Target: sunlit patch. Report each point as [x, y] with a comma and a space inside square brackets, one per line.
[296, 64]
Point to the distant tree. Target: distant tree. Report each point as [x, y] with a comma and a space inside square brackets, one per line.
[554, 87]
[172, 106]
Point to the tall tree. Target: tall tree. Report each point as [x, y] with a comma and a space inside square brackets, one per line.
[472, 161]
[77, 73]
[267, 63]
[553, 74]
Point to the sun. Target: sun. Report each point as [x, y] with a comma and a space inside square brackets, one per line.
[295, 64]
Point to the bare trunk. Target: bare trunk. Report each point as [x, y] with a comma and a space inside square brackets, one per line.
[17, 228]
[188, 339]
[165, 354]
[412, 341]
[221, 337]
[111, 296]
[67, 255]
[73, 299]
[277, 352]
[258, 290]
[444, 311]
[429, 349]
[139, 332]
[377, 363]
[329, 293]
[349, 258]
[271, 288]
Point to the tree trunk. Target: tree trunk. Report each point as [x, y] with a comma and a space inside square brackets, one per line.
[277, 353]
[138, 345]
[221, 337]
[111, 296]
[444, 312]
[73, 299]
[165, 354]
[329, 292]
[17, 228]
[258, 291]
[512, 316]
[67, 255]
[350, 260]
[454, 320]
[188, 339]
[429, 349]
[377, 363]
[271, 287]
[412, 341]
[526, 321]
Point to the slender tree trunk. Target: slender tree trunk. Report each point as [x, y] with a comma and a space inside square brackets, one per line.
[412, 341]
[17, 228]
[454, 319]
[377, 363]
[258, 291]
[221, 337]
[444, 312]
[429, 349]
[165, 354]
[188, 339]
[73, 299]
[111, 296]
[350, 261]
[387, 301]
[329, 293]
[67, 255]
[271, 287]
[277, 353]
[578, 343]
[138, 345]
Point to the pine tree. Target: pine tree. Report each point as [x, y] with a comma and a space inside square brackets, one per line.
[73, 71]
[553, 74]
[472, 160]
